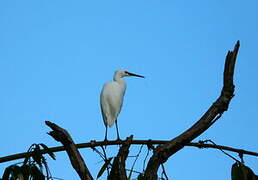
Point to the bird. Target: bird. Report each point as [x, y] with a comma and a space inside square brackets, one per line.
[111, 99]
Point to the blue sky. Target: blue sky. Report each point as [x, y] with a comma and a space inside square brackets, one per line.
[56, 55]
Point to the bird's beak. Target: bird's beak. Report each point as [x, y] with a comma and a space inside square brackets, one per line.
[132, 74]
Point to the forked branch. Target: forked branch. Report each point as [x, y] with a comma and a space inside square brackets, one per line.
[118, 169]
[163, 152]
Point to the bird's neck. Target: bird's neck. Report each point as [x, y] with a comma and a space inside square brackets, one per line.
[118, 79]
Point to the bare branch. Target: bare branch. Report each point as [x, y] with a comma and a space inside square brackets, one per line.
[163, 152]
[135, 142]
[61, 135]
[118, 169]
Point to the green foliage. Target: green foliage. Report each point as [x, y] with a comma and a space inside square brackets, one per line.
[104, 167]
[32, 166]
[12, 172]
[36, 156]
[31, 172]
[241, 172]
[50, 153]
[140, 177]
[36, 173]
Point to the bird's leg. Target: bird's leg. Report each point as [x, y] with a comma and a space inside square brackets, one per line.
[117, 133]
[106, 134]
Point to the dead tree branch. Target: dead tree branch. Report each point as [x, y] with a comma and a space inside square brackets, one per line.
[118, 169]
[163, 152]
[134, 142]
[61, 135]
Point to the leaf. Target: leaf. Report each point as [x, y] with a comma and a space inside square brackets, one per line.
[13, 171]
[140, 177]
[104, 167]
[7, 172]
[25, 171]
[37, 157]
[50, 153]
[237, 172]
[36, 174]
[26, 159]
[17, 171]
[248, 173]
[241, 172]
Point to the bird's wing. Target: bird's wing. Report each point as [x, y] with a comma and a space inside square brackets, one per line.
[111, 100]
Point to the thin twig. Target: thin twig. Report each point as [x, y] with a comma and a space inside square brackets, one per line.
[164, 171]
[134, 171]
[144, 161]
[136, 158]
[106, 159]
[220, 149]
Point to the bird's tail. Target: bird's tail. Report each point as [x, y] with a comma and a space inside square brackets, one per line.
[110, 122]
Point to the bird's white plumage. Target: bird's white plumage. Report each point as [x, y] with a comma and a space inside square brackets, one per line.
[111, 98]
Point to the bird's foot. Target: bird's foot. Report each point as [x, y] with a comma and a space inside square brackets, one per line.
[92, 144]
[118, 139]
[105, 140]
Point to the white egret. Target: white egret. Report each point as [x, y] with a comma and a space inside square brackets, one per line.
[111, 99]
